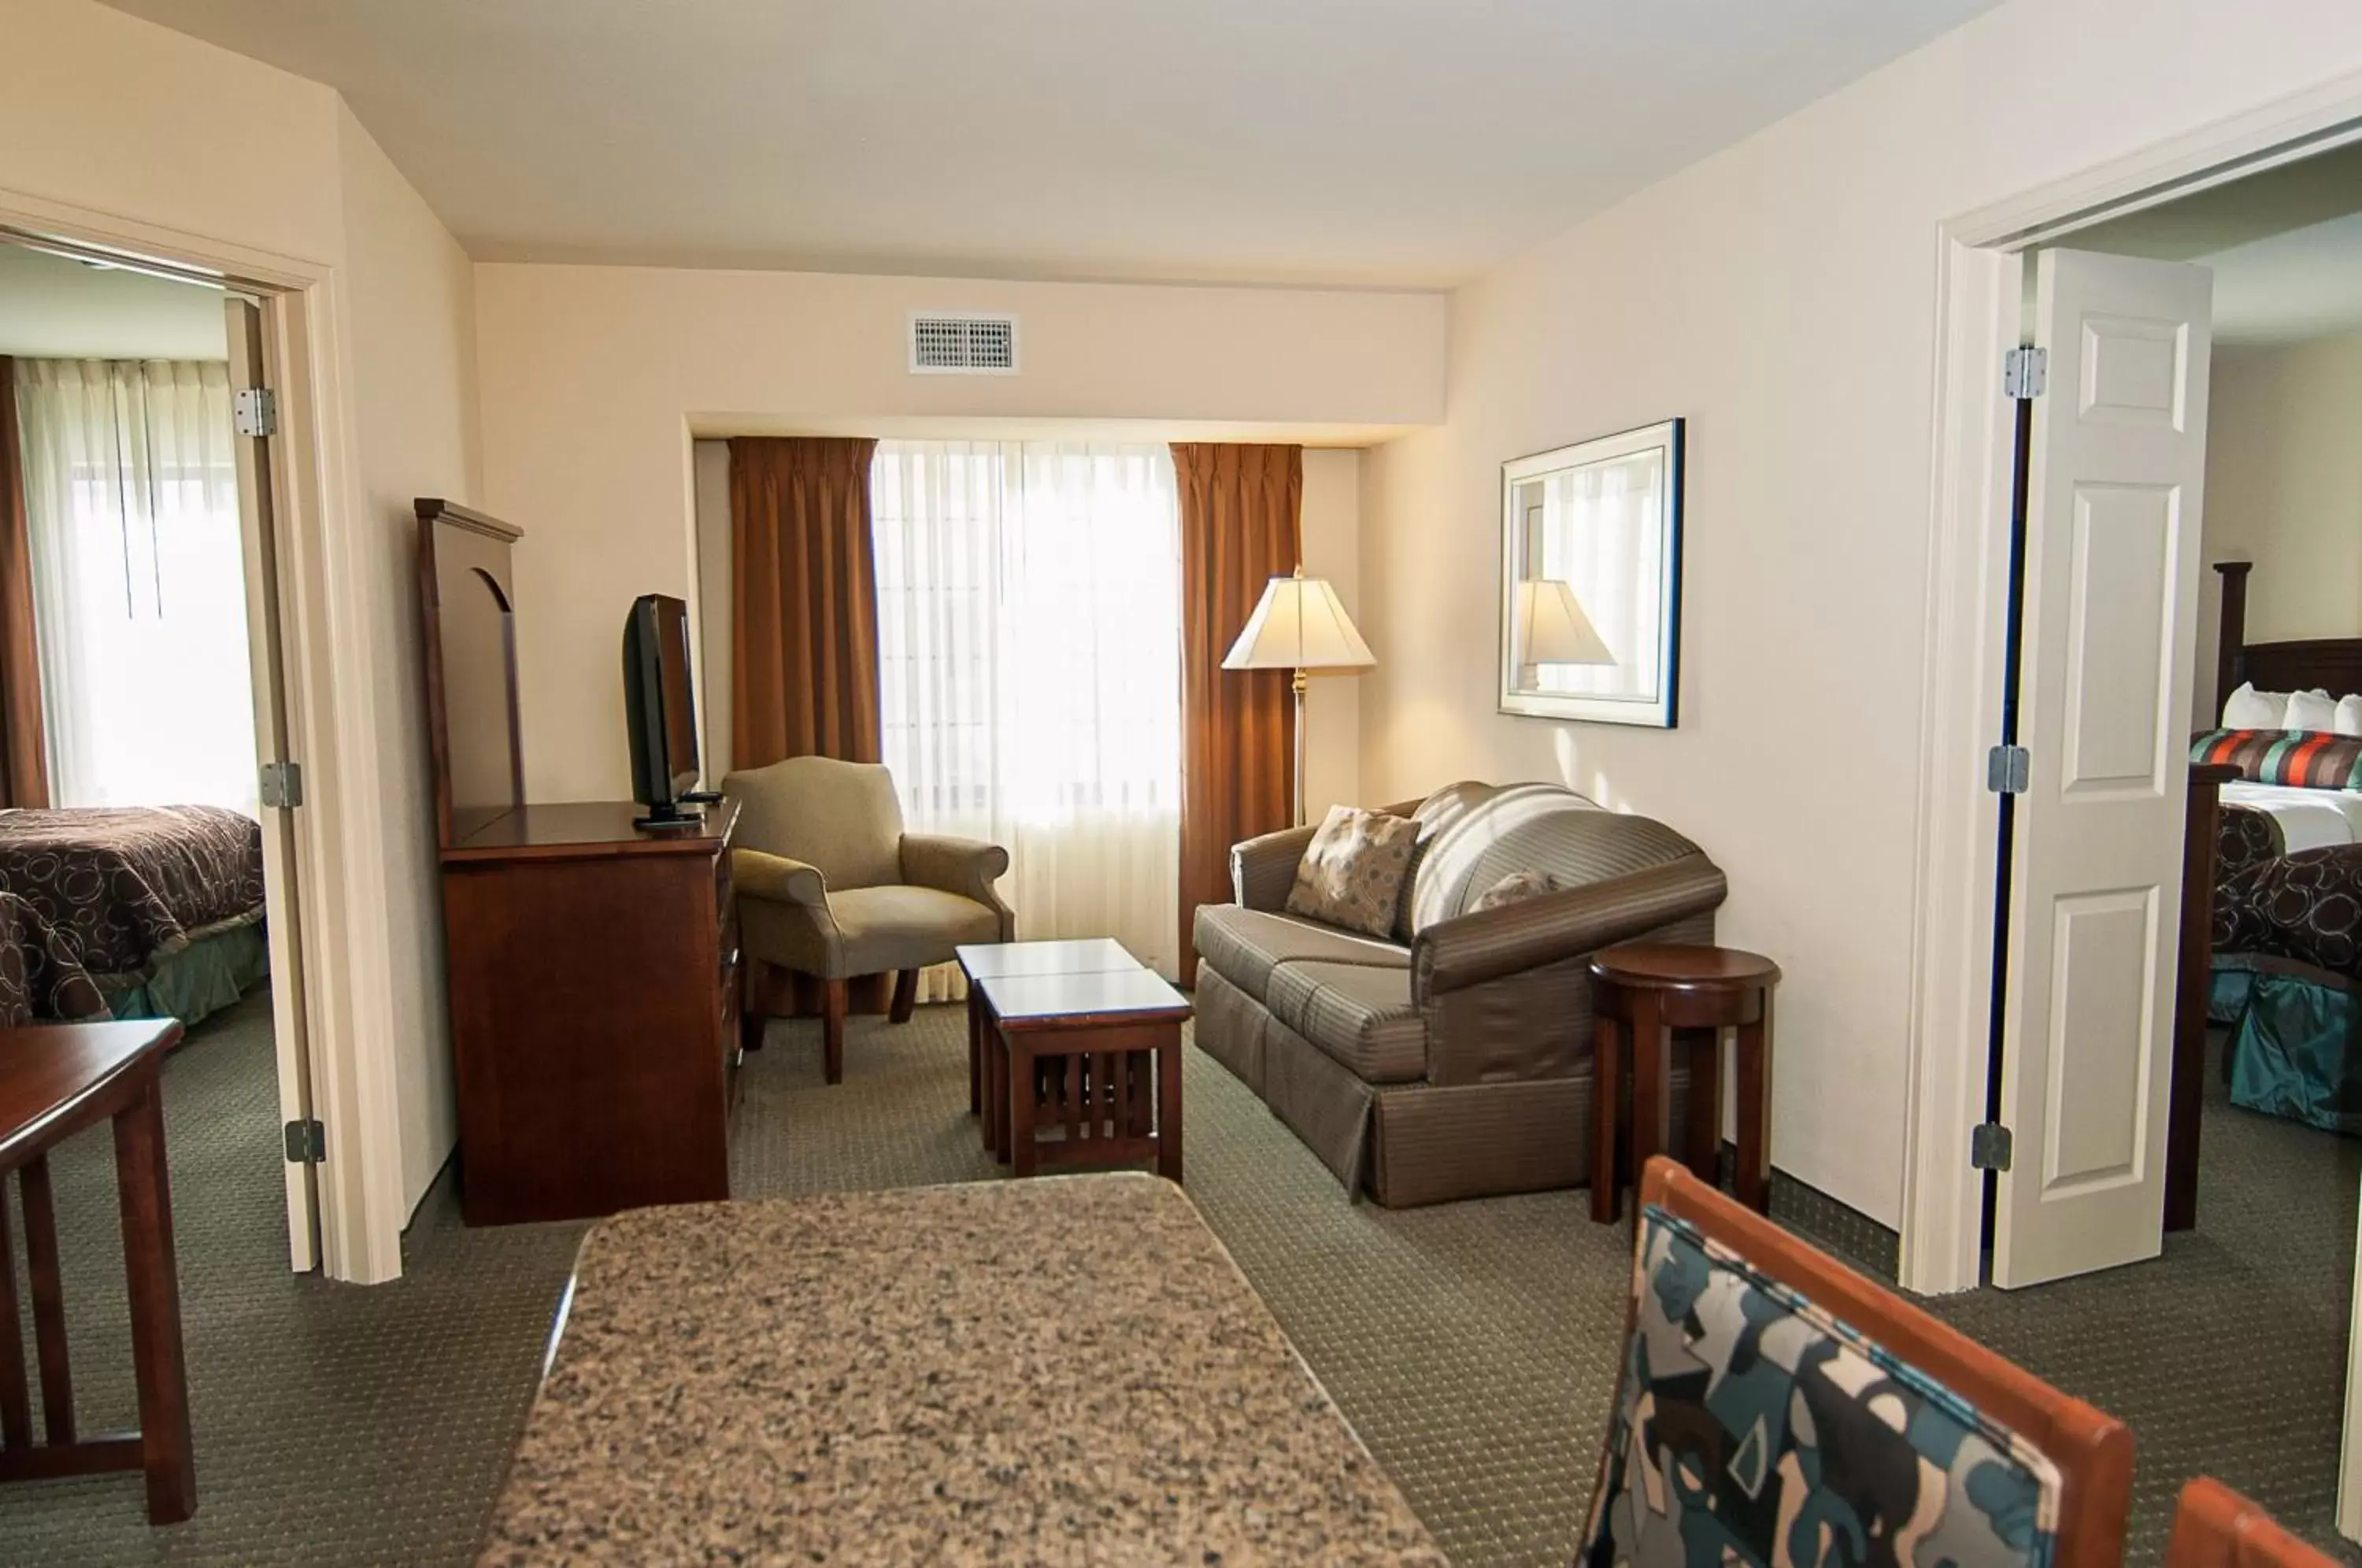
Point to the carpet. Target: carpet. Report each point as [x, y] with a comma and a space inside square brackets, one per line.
[1474, 1345]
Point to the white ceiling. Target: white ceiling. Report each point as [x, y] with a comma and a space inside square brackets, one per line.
[51, 308]
[1376, 142]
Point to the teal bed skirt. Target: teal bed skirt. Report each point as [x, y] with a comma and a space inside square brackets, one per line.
[2293, 1049]
[199, 980]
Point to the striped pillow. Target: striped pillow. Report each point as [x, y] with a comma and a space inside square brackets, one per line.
[2308, 759]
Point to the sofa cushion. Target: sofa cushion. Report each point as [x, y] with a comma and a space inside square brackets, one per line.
[1246, 944]
[1359, 1016]
[880, 929]
[1514, 888]
[1352, 871]
[1540, 828]
[1434, 814]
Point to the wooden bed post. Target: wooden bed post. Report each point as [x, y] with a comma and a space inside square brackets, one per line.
[2231, 642]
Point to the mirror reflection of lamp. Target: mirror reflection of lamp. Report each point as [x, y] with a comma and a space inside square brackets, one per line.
[1551, 628]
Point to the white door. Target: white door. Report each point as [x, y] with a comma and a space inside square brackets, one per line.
[2115, 468]
[248, 367]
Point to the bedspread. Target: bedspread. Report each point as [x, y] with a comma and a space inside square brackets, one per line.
[40, 980]
[125, 886]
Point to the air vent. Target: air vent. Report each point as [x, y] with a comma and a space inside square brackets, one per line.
[963, 344]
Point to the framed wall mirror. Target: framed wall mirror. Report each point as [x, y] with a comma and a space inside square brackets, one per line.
[1591, 579]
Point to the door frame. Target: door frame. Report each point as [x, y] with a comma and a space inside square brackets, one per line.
[1980, 280]
[326, 616]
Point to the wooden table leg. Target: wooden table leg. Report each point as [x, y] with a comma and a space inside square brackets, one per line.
[1754, 1046]
[1024, 1087]
[49, 1301]
[1652, 1106]
[145, 1184]
[1168, 1104]
[1606, 1090]
[976, 1053]
[995, 1090]
[1705, 1057]
[16, 1399]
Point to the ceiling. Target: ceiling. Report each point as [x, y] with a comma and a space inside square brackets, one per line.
[51, 308]
[1348, 142]
[2285, 247]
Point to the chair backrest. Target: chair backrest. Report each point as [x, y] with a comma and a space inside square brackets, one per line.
[2215, 1527]
[841, 817]
[1753, 1355]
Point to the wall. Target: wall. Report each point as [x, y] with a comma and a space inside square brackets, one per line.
[135, 124]
[1331, 520]
[592, 379]
[410, 304]
[2284, 490]
[1782, 297]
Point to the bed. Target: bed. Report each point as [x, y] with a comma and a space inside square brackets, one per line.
[2288, 891]
[160, 906]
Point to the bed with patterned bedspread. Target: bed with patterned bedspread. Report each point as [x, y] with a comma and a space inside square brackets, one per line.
[162, 906]
[2288, 965]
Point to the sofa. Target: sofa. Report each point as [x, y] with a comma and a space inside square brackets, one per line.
[1452, 1058]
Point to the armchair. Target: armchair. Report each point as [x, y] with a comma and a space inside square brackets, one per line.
[829, 886]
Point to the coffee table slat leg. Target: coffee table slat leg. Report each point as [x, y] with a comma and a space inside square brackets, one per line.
[1168, 1104]
[1024, 1088]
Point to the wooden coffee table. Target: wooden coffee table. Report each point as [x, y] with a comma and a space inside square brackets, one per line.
[1094, 1055]
[983, 960]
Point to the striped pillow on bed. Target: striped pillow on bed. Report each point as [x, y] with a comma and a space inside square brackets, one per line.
[2308, 759]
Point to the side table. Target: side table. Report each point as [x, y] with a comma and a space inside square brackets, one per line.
[1643, 990]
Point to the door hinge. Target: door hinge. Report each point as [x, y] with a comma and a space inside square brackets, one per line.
[255, 411]
[307, 1143]
[283, 783]
[1989, 1147]
[2008, 769]
[2024, 373]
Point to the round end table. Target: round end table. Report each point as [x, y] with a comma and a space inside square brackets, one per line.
[1644, 990]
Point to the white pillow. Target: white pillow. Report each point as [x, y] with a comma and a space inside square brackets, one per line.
[2314, 711]
[2248, 709]
[2349, 717]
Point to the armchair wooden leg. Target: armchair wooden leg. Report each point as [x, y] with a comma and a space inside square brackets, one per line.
[831, 1029]
[906, 996]
[755, 1006]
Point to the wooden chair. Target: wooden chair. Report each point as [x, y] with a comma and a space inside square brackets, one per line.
[2092, 1451]
[2216, 1528]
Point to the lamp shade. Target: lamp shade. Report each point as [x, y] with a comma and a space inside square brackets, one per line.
[1299, 625]
[1551, 628]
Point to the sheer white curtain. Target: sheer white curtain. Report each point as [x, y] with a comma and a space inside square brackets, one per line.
[1028, 629]
[138, 581]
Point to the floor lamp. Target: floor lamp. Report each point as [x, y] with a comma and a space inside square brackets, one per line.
[1301, 625]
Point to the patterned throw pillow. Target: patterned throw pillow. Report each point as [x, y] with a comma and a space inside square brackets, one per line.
[1752, 1427]
[1516, 888]
[1351, 874]
[2307, 759]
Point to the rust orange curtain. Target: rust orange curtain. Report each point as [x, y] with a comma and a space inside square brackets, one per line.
[1241, 527]
[24, 753]
[804, 600]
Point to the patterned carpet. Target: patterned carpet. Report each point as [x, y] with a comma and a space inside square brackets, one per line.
[1473, 1345]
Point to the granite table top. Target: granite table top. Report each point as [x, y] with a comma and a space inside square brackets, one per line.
[1069, 1370]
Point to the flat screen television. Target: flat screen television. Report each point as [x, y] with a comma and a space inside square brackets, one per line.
[659, 710]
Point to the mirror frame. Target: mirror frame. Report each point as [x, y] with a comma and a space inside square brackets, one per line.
[1662, 712]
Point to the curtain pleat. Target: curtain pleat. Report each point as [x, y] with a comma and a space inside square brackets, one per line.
[1241, 527]
[804, 621]
[23, 759]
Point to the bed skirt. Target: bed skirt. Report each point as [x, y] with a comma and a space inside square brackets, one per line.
[2293, 1049]
[208, 975]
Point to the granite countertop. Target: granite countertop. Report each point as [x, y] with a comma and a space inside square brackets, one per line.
[1067, 1370]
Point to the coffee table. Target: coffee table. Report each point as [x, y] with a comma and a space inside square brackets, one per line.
[1099, 1052]
[983, 960]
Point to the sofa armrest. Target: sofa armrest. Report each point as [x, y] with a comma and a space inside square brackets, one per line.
[1473, 948]
[758, 874]
[1263, 869]
[967, 866]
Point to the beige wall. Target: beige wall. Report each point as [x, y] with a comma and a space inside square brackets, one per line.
[2284, 490]
[1333, 522]
[135, 124]
[593, 377]
[1782, 297]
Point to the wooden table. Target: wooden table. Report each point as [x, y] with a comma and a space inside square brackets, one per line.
[1080, 1046]
[55, 1080]
[985, 960]
[1649, 989]
[1063, 1371]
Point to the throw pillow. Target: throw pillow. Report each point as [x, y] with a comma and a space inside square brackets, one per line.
[1352, 871]
[2313, 712]
[1516, 888]
[1752, 1426]
[2248, 709]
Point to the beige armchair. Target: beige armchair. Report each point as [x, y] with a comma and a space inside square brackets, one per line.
[829, 886]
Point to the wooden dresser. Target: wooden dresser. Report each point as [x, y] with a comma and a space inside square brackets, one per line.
[594, 987]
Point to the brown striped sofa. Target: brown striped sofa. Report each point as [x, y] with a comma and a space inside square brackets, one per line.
[1453, 1060]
